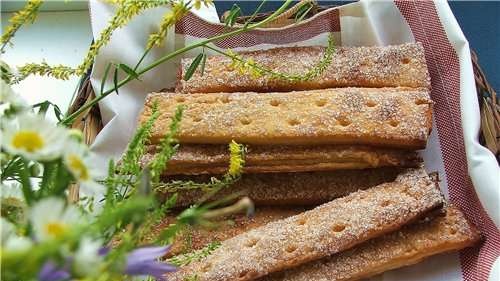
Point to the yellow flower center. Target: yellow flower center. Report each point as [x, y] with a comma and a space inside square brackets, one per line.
[78, 167]
[30, 141]
[55, 229]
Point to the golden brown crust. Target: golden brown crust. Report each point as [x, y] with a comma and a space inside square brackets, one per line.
[408, 246]
[286, 189]
[323, 231]
[395, 117]
[390, 66]
[192, 159]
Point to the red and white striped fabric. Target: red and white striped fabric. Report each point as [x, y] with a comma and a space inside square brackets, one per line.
[444, 67]
[425, 26]
[196, 27]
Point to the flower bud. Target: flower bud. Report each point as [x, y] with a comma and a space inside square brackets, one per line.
[76, 134]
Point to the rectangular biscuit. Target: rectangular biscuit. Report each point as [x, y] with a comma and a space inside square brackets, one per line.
[328, 229]
[395, 117]
[195, 238]
[192, 159]
[287, 189]
[408, 246]
[389, 66]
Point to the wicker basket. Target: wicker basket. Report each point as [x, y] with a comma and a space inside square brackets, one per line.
[90, 122]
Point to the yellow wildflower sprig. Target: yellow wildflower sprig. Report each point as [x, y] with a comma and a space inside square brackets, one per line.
[179, 9]
[25, 15]
[126, 10]
[58, 71]
[249, 66]
[197, 3]
[237, 159]
[236, 164]
[168, 146]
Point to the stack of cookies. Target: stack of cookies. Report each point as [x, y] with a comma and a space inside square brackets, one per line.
[332, 166]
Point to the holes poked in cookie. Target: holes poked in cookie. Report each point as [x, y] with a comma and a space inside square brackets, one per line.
[251, 242]
[405, 60]
[371, 103]
[394, 123]
[301, 221]
[274, 102]
[338, 227]
[293, 122]
[290, 248]
[364, 67]
[421, 101]
[344, 121]
[206, 267]
[206, 100]
[453, 231]
[321, 102]
[245, 121]
[385, 203]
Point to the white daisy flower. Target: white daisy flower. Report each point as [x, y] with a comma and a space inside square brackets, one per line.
[11, 242]
[12, 201]
[9, 100]
[7, 230]
[11, 192]
[87, 258]
[78, 160]
[52, 217]
[33, 137]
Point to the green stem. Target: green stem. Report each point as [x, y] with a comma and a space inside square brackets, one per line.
[252, 17]
[263, 69]
[311, 73]
[69, 119]
[48, 169]
[141, 59]
[26, 183]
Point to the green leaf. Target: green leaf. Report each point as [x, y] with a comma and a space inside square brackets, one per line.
[115, 80]
[233, 14]
[252, 17]
[104, 77]
[194, 65]
[303, 11]
[129, 71]
[57, 112]
[44, 106]
[10, 171]
[203, 61]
